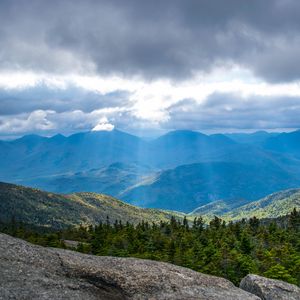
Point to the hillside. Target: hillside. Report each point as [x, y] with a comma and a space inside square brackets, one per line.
[218, 208]
[39, 208]
[111, 180]
[272, 206]
[33, 206]
[287, 143]
[185, 147]
[257, 137]
[190, 186]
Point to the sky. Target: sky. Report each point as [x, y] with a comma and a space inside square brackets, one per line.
[147, 67]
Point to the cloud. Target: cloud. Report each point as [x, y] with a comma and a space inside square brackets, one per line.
[154, 39]
[148, 65]
[36, 121]
[220, 101]
[59, 99]
[103, 125]
[220, 112]
[223, 112]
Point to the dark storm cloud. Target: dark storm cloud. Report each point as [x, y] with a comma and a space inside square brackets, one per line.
[170, 38]
[42, 97]
[226, 111]
[153, 39]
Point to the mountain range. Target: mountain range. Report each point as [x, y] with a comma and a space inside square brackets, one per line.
[181, 170]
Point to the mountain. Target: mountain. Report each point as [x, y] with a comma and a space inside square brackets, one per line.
[34, 156]
[255, 138]
[35, 207]
[112, 180]
[186, 187]
[288, 143]
[273, 206]
[154, 173]
[184, 147]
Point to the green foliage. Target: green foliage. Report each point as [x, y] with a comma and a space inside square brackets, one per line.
[280, 272]
[273, 206]
[230, 250]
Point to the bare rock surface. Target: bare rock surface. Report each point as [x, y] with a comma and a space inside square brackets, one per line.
[270, 289]
[33, 272]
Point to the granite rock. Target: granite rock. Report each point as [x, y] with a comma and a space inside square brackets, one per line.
[270, 289]
[32, 272]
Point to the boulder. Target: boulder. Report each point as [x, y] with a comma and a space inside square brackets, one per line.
[270, 289]
[32, 272]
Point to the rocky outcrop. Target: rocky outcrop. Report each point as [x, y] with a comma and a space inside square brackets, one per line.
[33, 272]
[270, 289]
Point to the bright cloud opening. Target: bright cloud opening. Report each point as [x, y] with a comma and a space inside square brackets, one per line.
[103, 125]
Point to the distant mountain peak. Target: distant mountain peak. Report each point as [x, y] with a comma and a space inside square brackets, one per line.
[58, 137]
[31, 137]
[184, 132]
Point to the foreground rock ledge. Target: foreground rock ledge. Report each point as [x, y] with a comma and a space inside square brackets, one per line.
[33, 272]
[270, 289]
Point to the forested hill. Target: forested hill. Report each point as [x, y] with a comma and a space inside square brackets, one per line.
[39, 208]
[274, 205]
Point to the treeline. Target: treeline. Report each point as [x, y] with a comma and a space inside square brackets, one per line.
[228, 250]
